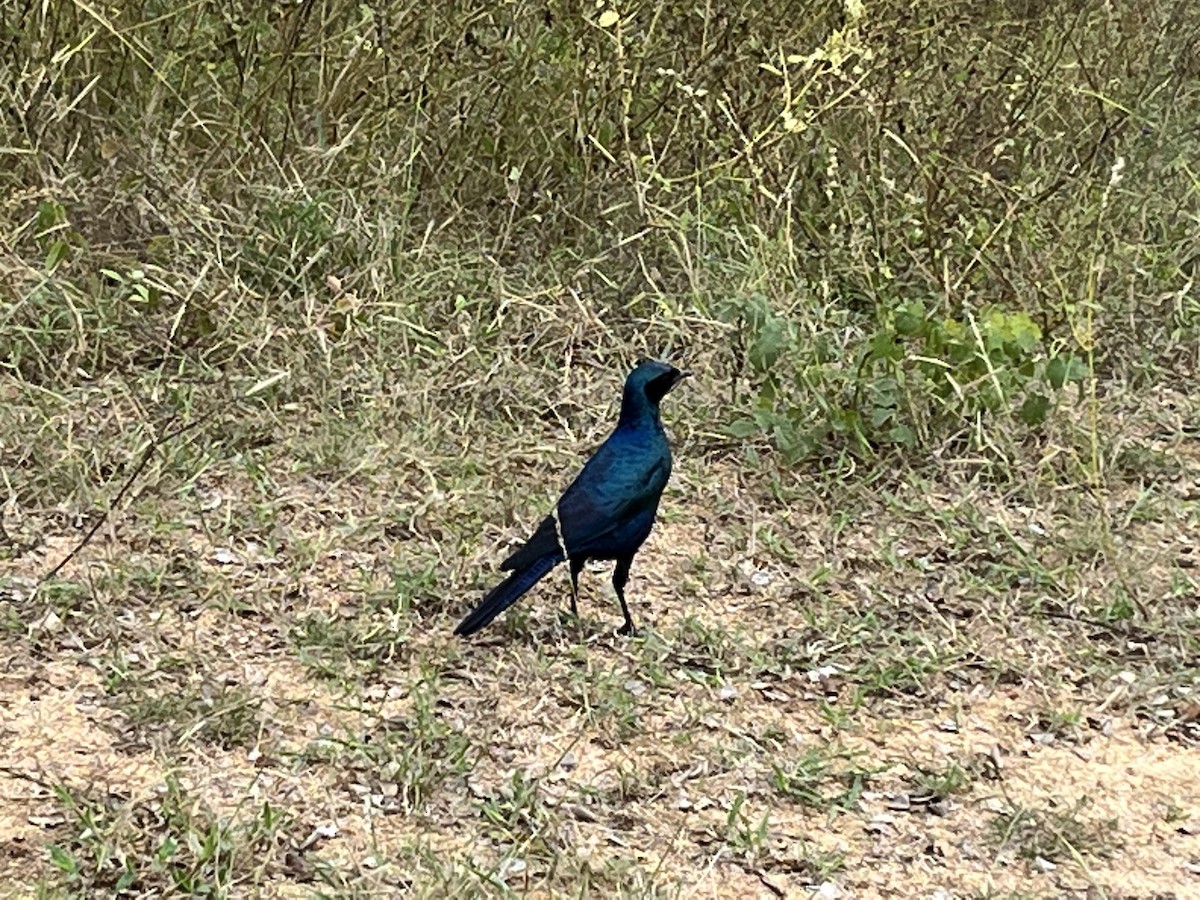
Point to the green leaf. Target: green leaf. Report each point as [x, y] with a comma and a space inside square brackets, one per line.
[772, 339]
[1120, 610]
[50, 214]
[1033, 410]
[881, 414]
[55, 255]
[953, 330]
[128, 877]
[845, 420]
[885, 391]
[784, 434]
[1056, 372]
[910, 318]
[884, 346]
[1014, 334]
[1062, 369]
[63, 860]
[902, 434]
[1025, 332]
[167, 849]
[742, 428]
[766, 393]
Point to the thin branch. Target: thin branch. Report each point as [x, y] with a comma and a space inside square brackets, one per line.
[137, 470]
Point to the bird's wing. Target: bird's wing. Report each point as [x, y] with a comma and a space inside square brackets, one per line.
[615, 485]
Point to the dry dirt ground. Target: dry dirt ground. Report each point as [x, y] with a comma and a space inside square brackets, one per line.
[922, 688]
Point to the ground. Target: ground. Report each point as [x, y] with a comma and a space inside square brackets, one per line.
[309, 311]
[929, 684]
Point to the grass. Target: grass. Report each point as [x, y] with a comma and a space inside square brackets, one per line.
[308, 318]
[1050, 835]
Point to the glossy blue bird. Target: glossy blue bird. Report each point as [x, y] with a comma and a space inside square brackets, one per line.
[608, 510]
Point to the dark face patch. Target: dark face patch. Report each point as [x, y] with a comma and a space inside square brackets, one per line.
[657, 387]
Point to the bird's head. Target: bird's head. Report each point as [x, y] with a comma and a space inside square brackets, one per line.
[652, 379]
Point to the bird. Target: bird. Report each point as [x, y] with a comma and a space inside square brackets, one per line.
[607, 512]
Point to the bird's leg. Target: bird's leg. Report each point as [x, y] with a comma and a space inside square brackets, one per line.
[620, 576]
[576, 568]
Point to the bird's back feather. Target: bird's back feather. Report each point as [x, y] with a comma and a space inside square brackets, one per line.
[601, 513]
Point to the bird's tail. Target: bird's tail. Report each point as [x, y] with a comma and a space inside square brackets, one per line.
[506, 593]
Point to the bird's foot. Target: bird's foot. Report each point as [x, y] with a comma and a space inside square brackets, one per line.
[627, 630]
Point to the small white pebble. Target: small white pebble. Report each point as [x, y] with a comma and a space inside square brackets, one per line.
[821, 673]
[50, 623]
[512, 867]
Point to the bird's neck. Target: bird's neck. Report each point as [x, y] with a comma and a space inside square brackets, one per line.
[638, 412]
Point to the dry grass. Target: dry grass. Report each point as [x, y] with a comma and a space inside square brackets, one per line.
[894, 692]
[303, 331]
